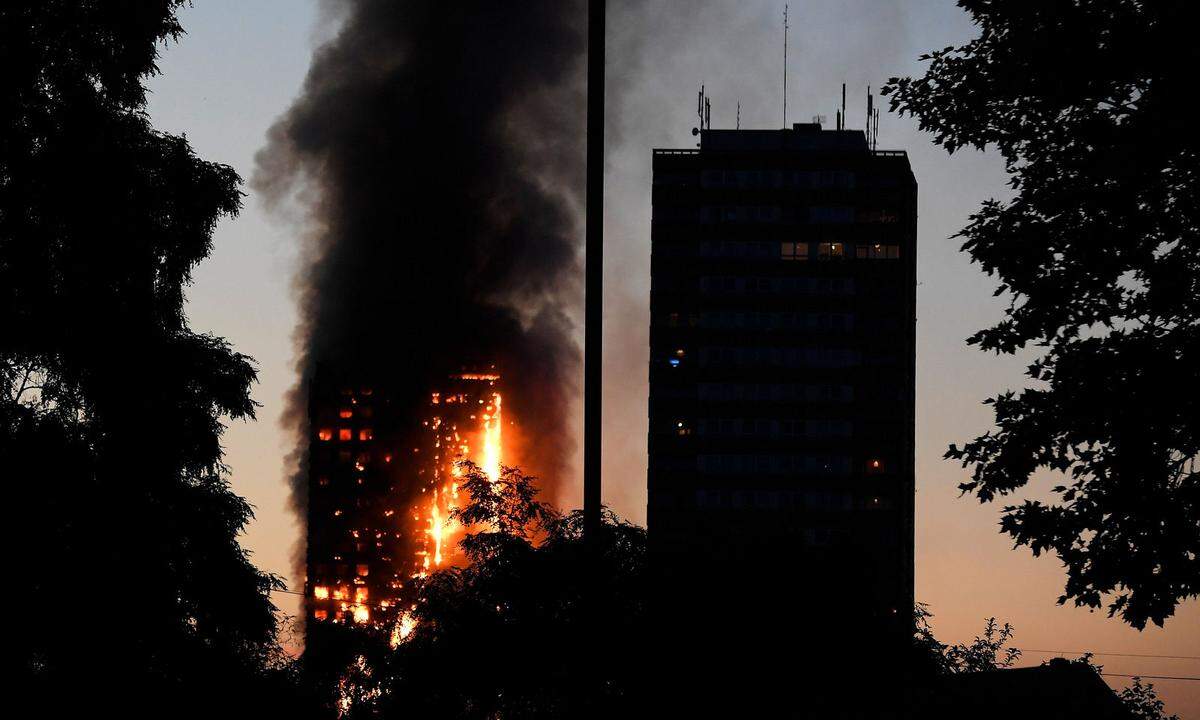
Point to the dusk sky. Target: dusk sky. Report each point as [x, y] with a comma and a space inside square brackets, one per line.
[241, 64]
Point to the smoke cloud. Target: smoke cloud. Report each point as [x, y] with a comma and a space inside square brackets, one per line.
[435, 156]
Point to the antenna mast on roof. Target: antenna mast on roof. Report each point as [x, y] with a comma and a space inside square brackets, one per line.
[872, 129]
[785, 53]
[739, 116]
[842, 112]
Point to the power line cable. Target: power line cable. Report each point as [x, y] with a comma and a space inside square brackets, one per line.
[1153, 677]
[1113, 654]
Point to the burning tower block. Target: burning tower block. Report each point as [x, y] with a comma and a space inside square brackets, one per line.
[383, 484]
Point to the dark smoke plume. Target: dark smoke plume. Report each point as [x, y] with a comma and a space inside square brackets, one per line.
[437, 152]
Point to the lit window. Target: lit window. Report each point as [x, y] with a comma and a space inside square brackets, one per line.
[345, 434]
[320, 614]
[874, 465]
[793, 251]
[323, 482]
[341, 593]
[345, 413]
[827, 250]
[321, 592]
[325, 434]
[674, 362]
[365, 434]
[366, 391]
[362, 614]
[362, 569]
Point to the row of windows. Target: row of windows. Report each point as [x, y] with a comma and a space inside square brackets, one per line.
[772, 215]
[838, 251]
[779, 179]
[774, 392]
[768, 464]
[780, 249]
[340, 570]
[810, 500]
[770, 427]
[818, 357]
[840, 322]
[345, 434]
[740, 284]
[346, 457]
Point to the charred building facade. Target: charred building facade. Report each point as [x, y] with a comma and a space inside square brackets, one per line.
[382, 487]
[781, 428]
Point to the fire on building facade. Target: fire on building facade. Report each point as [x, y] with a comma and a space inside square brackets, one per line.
[382, 487]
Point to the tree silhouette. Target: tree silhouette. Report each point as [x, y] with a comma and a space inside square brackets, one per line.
[1099, 256]
[991, 651]
[504, 636]
[138, 593]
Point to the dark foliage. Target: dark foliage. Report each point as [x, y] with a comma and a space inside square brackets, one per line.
[989, 651]
[138, 593]
[1098, 253]
[503, 636]
[1142, 701]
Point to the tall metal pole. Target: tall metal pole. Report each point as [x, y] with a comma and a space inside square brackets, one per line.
[594, 272]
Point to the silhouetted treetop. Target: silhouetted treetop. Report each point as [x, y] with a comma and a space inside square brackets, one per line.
[111, 406]
[1098, 256]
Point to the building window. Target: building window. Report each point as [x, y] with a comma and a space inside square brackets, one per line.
[345, 434]
[345, 413]
[793, 251]
[325, 434]
[366, 434]
[827, 250]
[874, 466]
[320, 614]
[362, 569]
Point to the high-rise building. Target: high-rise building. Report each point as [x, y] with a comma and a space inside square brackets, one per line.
[382, 482]
[782, 359]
